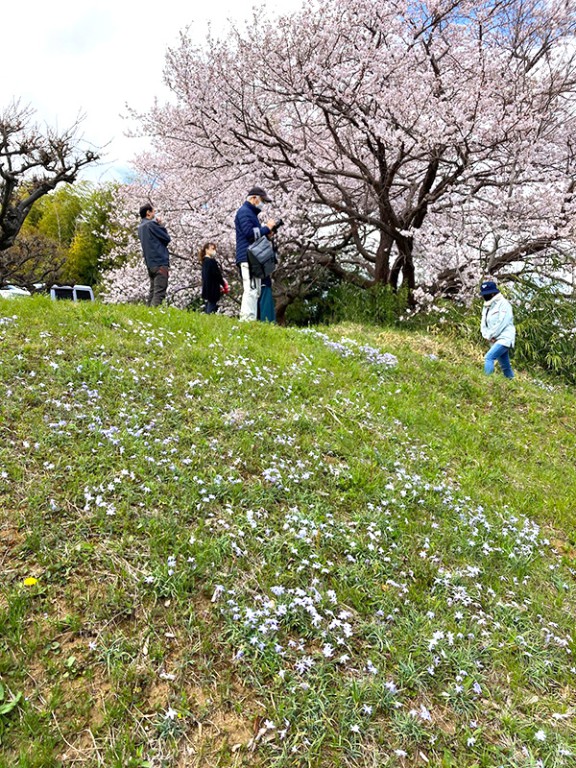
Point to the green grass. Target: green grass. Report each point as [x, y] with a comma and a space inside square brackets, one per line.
[257, 546]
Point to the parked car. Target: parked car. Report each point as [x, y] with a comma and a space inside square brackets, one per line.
[13, 292]
[72, 293]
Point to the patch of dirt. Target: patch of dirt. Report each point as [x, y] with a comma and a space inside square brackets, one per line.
[224, 732]
[10, 539]
[81, 749]
[444, 719]
[158, 695]
[563, 546]
[232, 727]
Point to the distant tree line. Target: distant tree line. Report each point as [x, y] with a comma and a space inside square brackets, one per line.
[34, 161]
[67, 237]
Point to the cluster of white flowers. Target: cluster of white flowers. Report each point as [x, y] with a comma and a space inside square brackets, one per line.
[346, 347]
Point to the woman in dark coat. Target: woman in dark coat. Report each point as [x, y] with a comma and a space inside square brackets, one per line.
[213, 284]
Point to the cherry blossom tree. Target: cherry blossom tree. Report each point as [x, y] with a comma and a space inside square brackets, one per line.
[33, 162]
[425, 142]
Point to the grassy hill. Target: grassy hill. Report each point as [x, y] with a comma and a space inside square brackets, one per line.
[241, 545]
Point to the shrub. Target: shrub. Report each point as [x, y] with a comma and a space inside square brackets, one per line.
[377, 305]
[546, 326]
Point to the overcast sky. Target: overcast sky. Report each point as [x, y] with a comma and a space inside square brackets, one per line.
[68, 58]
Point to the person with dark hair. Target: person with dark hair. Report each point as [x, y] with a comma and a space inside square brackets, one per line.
[497, 327]
[248, 230]
[154, 240]
[213, 283]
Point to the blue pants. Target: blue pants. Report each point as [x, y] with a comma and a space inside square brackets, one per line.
[266, 311]
[501, 353]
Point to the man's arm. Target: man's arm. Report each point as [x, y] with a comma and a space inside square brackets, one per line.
[159, 232]
[249, 226]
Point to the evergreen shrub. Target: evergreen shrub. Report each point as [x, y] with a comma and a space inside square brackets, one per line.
[345, 302]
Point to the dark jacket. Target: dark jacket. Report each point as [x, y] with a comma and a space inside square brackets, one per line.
[211, 280]
[154, 240]
[248, 229]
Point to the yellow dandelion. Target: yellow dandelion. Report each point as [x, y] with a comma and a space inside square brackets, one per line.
[30, 581]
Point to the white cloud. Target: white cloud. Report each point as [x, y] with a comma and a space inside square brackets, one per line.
[67, 59]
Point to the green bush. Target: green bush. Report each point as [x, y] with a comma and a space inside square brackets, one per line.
[377, 305]
[546, 327]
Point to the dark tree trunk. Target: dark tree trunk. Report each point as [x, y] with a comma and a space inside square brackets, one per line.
[281, 304]
[382, 268]
[404, 267]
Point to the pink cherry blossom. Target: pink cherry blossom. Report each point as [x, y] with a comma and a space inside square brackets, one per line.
[425, 142]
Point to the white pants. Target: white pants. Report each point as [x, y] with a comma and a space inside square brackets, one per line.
[249, 306]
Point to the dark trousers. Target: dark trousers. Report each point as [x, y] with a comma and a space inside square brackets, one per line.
[210, 307]
[158, 285]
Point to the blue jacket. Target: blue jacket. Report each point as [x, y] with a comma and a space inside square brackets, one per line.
[154, 239]
[248, 230]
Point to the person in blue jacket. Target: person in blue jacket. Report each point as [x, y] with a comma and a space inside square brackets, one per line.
[249, 229]
[154, 240]
[497, 327]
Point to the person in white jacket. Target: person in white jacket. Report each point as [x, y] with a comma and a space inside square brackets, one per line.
[497, 327]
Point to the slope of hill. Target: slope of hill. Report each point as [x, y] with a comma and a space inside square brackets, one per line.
[233, 545]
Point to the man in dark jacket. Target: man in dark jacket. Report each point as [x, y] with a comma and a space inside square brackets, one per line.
[154, 240]
[248, 229]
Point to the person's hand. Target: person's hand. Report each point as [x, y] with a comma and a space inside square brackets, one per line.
[270, 223]
[159, 220]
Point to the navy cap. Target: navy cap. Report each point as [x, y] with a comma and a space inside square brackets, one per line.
[488, 288]
[259, 192]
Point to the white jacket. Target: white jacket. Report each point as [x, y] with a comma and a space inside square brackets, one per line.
[498, 321]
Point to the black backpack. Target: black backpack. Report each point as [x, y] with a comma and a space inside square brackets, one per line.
[262, 258]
